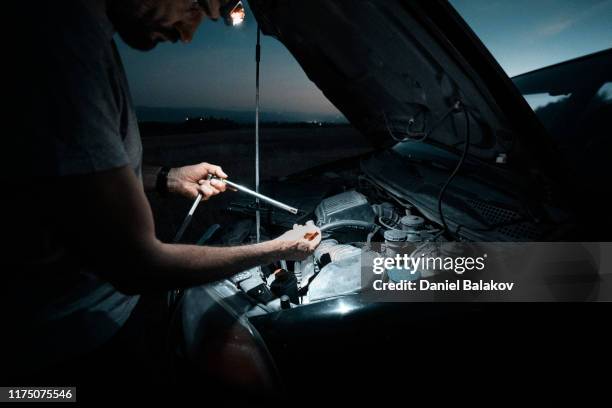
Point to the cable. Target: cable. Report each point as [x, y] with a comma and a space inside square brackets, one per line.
[454, 173]
[420, 136]
[385, 193]
[349, 223]
[387, 226]
[371, 235]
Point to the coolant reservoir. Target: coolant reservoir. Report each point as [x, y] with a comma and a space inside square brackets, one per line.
[412, 223]
[395, 242]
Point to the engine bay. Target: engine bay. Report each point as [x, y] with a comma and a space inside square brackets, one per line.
[352, 224]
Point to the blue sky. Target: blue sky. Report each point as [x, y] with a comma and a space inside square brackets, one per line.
[528, 34]
[218, 69]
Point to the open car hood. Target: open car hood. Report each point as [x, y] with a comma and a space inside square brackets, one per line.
[396, 68]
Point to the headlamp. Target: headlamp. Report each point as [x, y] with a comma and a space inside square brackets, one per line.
[232, 12]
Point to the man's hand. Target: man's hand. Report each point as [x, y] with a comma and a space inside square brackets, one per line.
[300, 242]
[189, 181]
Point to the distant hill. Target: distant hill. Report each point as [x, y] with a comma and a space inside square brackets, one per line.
[160, 114]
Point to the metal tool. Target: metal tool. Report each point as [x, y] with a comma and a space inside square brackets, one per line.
[233, 14]
[187, 220]
[236, 187]
[262, 197]
[257, 107]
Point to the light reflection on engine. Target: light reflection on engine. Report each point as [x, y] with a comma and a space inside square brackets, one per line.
[352, 229]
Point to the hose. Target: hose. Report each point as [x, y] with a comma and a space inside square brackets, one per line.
[348, 223]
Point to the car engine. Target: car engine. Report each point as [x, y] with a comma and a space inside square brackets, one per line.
[352, 226]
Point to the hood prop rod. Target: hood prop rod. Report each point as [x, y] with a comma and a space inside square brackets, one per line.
[257, 105]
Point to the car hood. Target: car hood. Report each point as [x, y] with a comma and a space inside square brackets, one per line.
[395, 69]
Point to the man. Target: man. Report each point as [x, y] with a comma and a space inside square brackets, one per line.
[80, 256]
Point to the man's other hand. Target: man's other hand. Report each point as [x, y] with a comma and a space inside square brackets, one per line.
[189, 181]
[300, 242]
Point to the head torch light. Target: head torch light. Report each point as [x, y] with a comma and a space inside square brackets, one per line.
[232, 11]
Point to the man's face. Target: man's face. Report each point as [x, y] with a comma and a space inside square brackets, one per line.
[142, 24]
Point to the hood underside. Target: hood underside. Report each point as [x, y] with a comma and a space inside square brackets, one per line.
[396, 68]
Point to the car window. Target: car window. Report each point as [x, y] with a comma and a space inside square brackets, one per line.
[559, 113]
[540, 101]
[571, 97]
[605, 93]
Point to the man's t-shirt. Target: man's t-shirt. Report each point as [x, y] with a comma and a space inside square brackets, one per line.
[79, 120]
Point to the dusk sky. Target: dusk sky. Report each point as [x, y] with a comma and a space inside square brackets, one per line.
[218, 69]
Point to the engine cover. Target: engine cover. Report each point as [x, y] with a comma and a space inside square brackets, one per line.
[350, 205]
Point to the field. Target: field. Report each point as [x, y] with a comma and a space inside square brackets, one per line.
[282, 152]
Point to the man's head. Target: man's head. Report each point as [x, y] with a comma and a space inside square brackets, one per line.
[142, 24]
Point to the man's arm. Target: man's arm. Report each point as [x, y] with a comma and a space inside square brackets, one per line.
[109, 219]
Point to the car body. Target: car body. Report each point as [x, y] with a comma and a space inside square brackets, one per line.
[412, 77]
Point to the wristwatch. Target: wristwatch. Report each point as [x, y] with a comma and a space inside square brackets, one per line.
[161, 183]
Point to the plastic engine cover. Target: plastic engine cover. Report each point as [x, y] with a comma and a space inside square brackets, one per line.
[350, 205]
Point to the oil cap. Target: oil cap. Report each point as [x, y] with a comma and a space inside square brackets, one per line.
[395, 235]
[285, 303]
[411, 222]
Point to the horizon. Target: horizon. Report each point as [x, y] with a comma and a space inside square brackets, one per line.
[181, 113]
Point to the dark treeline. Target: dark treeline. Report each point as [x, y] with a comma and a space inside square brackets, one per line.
[210, 124]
